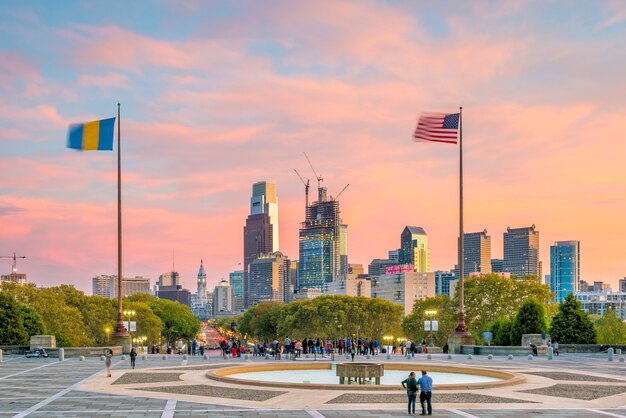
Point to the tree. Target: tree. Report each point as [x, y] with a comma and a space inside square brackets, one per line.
[447, 316]
[571, 325]
[261, 321]
[177, 319]
[610, 328]
[12, 331]
[501, 330]
[530, 319]
[490, 297]
[33, 323]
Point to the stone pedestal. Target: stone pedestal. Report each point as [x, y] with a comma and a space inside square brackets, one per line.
[42, 341]
[457, 339]
[121, 339]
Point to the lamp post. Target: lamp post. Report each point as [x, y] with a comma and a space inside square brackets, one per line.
[107, 331]
[130, 313]
[430, 313]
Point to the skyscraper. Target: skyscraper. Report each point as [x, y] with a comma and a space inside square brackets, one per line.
[222, 299]
[414, 248]
[236, 282]
[564, 268]
[269, 279]
[477, 252]
[521, 251]
[260, 235]
[323, 242]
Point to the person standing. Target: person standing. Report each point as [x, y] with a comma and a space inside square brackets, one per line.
[410, 384]
[107, 361]
[555, 345]
[426, 386]
[133, 357]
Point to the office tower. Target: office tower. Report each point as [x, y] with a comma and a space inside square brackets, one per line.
[222, 299]
[414, 248]
[356, 269]
[564, 268]
[169, 279]
[521, 251]
[497, 265]
[404, 288]
[442, 282]
[622, 285]
[236, 282]
[477, 253]
[323, 241]
[269, 279]
[351, 286]
[260, 234]
[292, 284]
[394, 255]
[343, 251]
[379, 266]
[106, 286]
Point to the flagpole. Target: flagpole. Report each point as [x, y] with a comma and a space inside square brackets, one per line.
[120, 328]
[461, 327]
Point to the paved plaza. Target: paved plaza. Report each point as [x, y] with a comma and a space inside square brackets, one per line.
[569, 386]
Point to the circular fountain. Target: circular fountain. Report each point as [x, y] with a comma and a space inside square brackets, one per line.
[369, 376]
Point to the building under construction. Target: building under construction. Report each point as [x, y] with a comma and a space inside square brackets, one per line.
[323, 244]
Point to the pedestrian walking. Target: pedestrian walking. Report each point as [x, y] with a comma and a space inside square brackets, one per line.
[133, 357]
[555, 345]
[352, 352]
[410, 384]
[107, 361]
[426, 392]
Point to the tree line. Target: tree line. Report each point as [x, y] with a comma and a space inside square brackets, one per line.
[78, 320]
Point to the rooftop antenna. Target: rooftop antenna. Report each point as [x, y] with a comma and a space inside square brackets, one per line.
[307, 184]
[319, 178]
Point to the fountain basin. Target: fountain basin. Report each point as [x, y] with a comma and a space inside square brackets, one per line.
[270, 375]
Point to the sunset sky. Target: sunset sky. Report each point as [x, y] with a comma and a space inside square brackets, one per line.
[218, 95]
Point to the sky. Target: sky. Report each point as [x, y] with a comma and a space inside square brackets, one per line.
[218, 95]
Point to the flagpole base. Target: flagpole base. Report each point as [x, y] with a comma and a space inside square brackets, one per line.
[120, 339]
[460, 337]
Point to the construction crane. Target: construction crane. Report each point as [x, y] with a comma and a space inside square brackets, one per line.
[14, 257]
[320, 179]
[307, 184]
[342, 190]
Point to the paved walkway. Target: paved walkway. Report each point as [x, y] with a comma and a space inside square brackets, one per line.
[570, 386]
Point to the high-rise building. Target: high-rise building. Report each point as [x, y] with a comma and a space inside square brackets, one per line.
[564, 268]
[260, 234]
[236, 282]
[106, 286]
[201, 281]
[404, 288]
[222, 299]
[477, 253]
[351, 286]
[14, 277]
[292, 284]
[414, 248]
[394, 255]
[269, 279]
[356, 269]
[323, 241]
[497, 265]
[622, 285]
[379, 266]
[521, 251]
[442, 282]
[169, 279]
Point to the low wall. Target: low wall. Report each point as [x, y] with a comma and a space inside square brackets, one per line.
[14, 349]
[588, 348]
[497, 350]
[83, 351]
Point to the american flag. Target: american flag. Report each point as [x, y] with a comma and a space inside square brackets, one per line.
[437, 127]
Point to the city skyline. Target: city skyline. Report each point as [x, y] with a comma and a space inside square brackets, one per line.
[217, 98]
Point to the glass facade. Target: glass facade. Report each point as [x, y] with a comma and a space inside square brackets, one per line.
[236, 282]
[521, 251]
[564, 268]
[414, 248]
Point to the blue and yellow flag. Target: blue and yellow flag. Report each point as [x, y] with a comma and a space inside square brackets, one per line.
[92, 136]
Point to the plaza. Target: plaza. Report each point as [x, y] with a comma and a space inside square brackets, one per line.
[571, 385]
